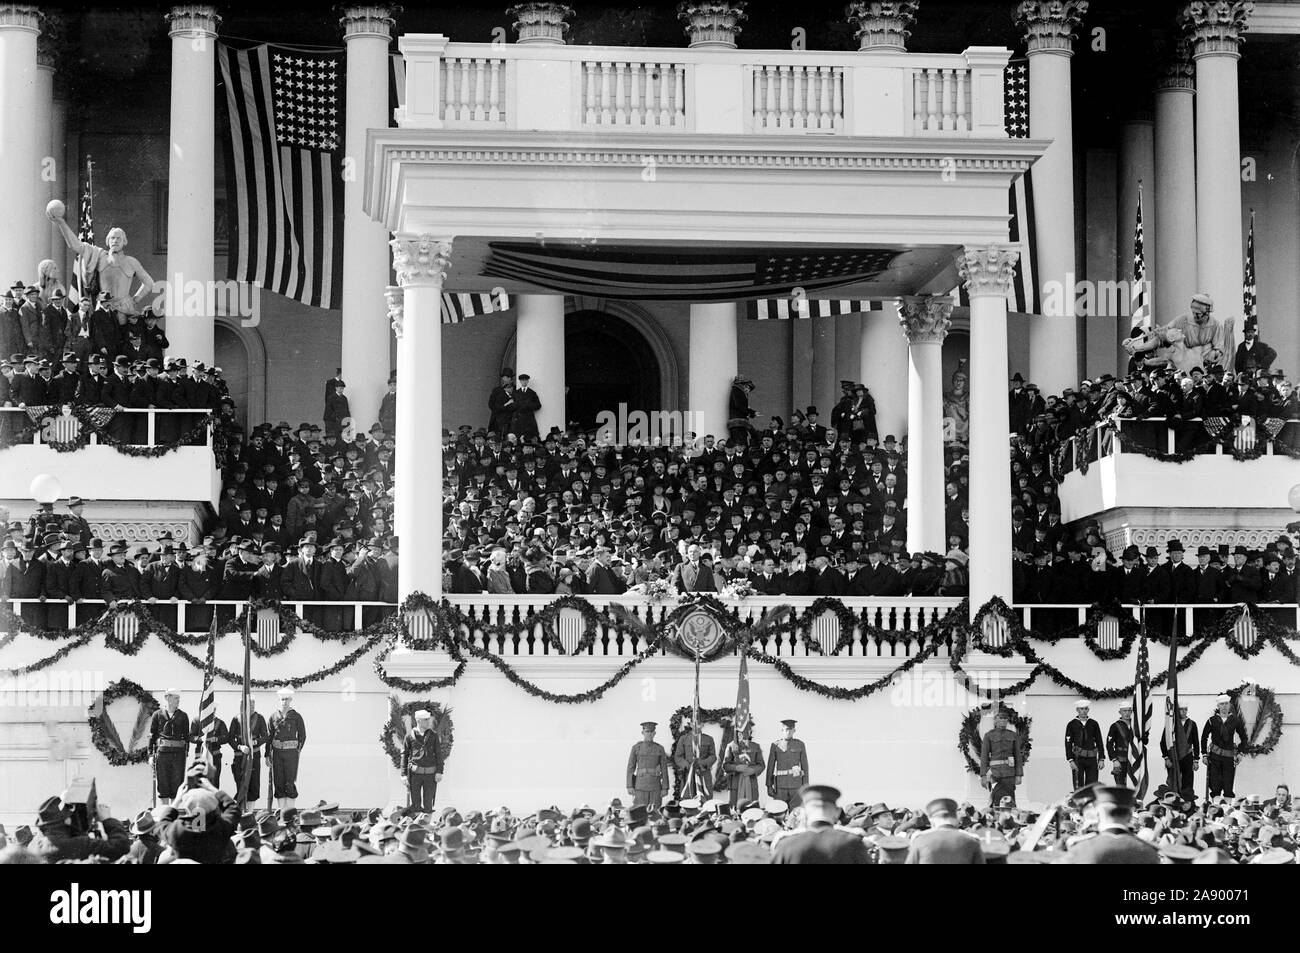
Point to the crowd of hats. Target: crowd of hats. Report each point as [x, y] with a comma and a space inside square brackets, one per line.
[1226, 830]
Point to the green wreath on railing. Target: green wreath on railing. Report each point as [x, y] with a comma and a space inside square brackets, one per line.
[104, 734]
[393, 737]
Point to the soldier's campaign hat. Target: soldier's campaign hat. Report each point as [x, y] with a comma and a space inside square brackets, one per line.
[31, 359]
[32, 290]
[788, 722]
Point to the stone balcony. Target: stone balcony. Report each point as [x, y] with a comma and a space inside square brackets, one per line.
[717, 91]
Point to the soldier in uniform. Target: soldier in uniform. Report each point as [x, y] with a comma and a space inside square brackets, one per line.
[288, 736]
[821, 842]
[1114, 841]
[1187, 748]
[684, 758]
[169, 733]
[1083, 746]
[217, 737]
[241, 747]
[1002, 761]
[944, 842]
[422, 762]
[1117, 744]
[1219, 748]
[647, 768]
[787, 764]
[742, 763]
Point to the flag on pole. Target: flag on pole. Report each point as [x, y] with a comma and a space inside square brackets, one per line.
[85, 232]
[208, 700]
[246, 710]
[1249, 302]
[1175, 742]
[1023, 298]
[1139, 303]
[692, 786]
[285, 170]
[1137, 743]
[740, 719]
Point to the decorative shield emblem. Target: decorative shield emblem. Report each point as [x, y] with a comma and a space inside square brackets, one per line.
[699, 633]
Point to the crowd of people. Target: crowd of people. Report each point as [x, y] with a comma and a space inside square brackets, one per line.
[1097, 825]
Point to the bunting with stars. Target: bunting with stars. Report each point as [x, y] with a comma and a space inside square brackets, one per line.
[284, 170]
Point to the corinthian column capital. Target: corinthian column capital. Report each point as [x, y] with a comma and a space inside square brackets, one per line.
[882, 25]
[193, 19]
[925, 318]
[368, 19]
[1049, 25]
[1215, 26]
[421, 261]
[988, 269]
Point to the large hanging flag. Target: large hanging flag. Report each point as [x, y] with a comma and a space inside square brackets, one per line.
[1023, 297]
[285, 170]
[86, 233]
[1139, 303]
[1175, 740]
[1137, 743]
[458, 307]
[1249, 302]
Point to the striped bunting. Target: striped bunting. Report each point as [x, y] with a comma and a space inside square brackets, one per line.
[1024, 296]
[783, 309]
[458, 307]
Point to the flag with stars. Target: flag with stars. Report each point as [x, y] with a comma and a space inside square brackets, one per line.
[1249, 302]
[1139, 306]
[1137, 742]
[682, 274]
[1023, 297]
[740, 719]
[284, 170]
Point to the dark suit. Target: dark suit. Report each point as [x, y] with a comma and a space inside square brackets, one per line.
[1248, 360]
[944, 845]
[829, 582]
[602, 581]
[821, 845]
[697, 578]
[1115, 846]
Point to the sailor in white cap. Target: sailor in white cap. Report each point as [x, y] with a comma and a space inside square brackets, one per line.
[288, 736]
[169, 731]
[1118, 741]
[1222, 739]
[422, 762]
[1083, 745]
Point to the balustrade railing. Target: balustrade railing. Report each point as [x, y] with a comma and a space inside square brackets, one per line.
[634, 94]
[1159, 434]
[136, 427]
[798, 98]
[473, 90]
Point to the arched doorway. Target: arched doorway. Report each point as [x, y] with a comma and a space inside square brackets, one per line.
[232, 358]
[607, 362]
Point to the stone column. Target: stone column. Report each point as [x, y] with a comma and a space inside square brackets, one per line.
[539, 353]
[987, 272]
[1215, 30]
[713, 363]
[712, 25]
[48, 161]
[801, 355]
[65, 175]
[848, 347]
[925, 320]
[191, 179]
[1174, 221]
[541, 23]
[825, 386]
[421, 265]
[882, 366]
[1049, 34]
[365, 353]
[23, 239]
[882, 26]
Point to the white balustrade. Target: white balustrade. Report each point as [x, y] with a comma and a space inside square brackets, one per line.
[473, 91]
[797, 98]
[941, 101]
[65, 428]
[638, 95]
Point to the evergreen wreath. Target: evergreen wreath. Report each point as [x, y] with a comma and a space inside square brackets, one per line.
[104, 734]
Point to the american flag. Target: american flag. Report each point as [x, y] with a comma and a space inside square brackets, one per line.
[285, 170]
[1137, 743]
[208, 699]
[1175, 741]
[246, 712]
[458, 307]
[1249, 303]
[1139, 305]
[1023, 297]
[86, 231]
[682, 274]
[783, 309]
[740, 719]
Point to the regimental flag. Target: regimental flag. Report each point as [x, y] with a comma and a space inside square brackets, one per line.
[1023, 297]
[86, 233]
[1137, 743]
[783, 309]
[208, 699]
[246, 711]
[1249, 302]
[1175, 741]
[1139, 301]
[694, 785]
[458, 307]
[740, 718]
[285, 170]
[683, 274]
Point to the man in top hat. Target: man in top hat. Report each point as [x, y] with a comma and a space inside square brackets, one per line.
[501, 402]
[246, 747]
[787, 764]
[1219, 740]
[1118, 740]
[169, 734]
[944, 842]
[523, 419]
[696, 765]
[1114, 841]
[647, 768]
[422, 762]
[1002, 760]
[1084, 748]
[288, 736]
[821, 842]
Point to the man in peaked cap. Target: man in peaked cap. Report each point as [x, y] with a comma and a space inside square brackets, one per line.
[821, 842]
[787, 764]
[943, 842]
[1114, 841]
[1219, 747]
[647, 768]
[1002, 760]
[422, 762]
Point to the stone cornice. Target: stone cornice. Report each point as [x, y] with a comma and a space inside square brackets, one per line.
[926, 319]
[193, 19]
[369, 19]
[421, 261]
[1215, 27]
[1049, 25]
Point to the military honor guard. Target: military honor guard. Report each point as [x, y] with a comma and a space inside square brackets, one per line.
[647, 769]
[242, 749]
[1118, 739]
[1083, 746]
[1186, 747]
[1220, 749]
[698, 768]
[742, 763]
[288, 735]
[169, 735]
[787, 764]
[215, 741]
[1113, 842]
[1002, 760]
[422, 762]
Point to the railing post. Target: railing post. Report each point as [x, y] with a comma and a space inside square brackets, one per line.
[986, 64]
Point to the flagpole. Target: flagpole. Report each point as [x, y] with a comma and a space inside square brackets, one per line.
[246, 715]
[693, 774]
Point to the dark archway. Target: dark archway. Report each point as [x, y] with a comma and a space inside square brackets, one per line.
[607, 362]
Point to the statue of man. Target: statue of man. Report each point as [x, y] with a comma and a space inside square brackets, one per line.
[956, 408]
[1206, 339]
[116, 271]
